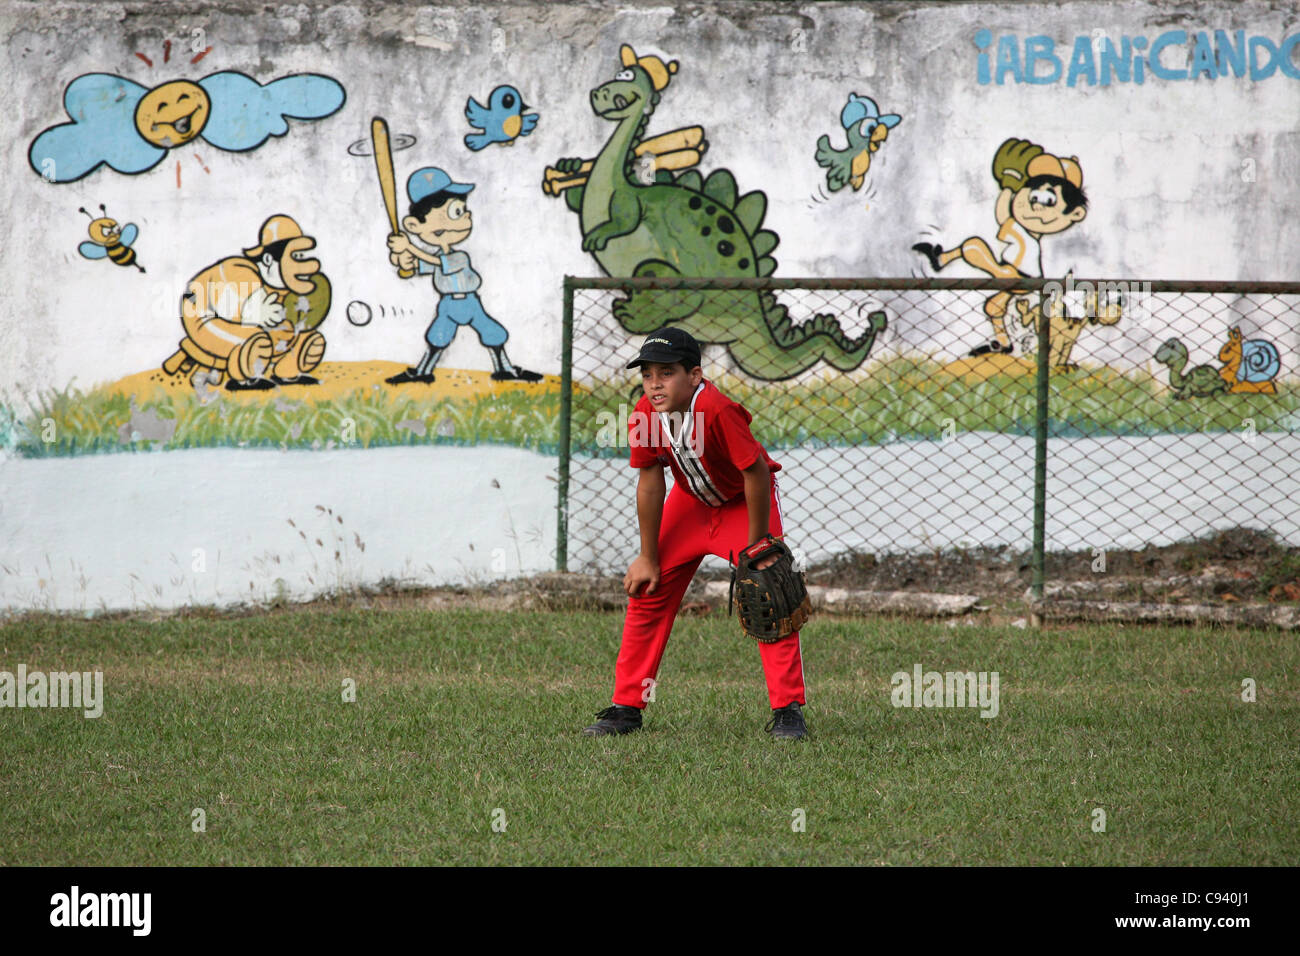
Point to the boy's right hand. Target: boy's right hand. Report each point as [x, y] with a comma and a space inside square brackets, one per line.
[642, 571]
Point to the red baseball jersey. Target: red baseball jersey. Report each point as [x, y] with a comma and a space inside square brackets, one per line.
[707, 446]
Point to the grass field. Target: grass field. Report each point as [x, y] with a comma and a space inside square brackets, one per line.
[462, 714]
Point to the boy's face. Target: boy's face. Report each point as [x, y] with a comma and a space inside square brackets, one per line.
[670, 387]
[1042, 210]
[445, 226]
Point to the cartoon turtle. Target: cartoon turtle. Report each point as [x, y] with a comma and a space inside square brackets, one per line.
[1199, 382]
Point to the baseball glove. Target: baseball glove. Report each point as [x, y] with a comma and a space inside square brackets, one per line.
[1011, 163]
[773, 601]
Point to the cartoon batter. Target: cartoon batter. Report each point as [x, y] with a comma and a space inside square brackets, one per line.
[439, 220]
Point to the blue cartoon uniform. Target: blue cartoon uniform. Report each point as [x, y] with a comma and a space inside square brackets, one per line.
[439, 220]
[457, 285]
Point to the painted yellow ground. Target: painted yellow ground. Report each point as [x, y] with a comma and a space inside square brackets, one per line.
[336, 380]
[983, 367]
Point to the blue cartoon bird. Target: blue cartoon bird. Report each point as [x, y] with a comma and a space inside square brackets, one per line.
[502, 120]
[866, 129]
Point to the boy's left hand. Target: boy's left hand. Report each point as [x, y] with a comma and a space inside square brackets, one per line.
[766, 562]
[769, 591]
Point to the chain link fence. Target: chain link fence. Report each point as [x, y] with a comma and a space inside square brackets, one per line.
[915, 414]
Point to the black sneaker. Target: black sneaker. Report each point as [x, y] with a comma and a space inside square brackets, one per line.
[296, 380]
[615, 719]
[931, 252]
[518, 375]
[787, 723]
[410, 375]
[251, 385]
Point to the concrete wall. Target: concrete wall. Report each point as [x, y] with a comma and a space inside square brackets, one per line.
[1184, 119]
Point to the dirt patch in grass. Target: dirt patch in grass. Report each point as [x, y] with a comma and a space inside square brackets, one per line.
[1237, 565]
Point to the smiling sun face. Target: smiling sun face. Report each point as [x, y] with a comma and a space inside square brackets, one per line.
[172, 114]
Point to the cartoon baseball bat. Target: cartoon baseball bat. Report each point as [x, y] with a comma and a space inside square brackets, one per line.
[675, 149]
[688, 137]
[665, 159]
[387, 181]
[555, 184]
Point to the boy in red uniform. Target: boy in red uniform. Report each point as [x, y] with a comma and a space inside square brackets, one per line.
[723, 499]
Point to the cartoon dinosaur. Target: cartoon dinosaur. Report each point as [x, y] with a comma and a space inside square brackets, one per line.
[1199, 382]
[688, 225]
[1249, 366]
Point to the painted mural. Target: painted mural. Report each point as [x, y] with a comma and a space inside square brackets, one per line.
[502, 121]
[253, 319]
[111, 240]
[1040, 195]
[865, 130]
[209, 320]
[1247, 366]
[686, 224]
[650, 201]
[116, 122]
[1065, 327]
[1099, 59]
[440, 220]
[253, 323]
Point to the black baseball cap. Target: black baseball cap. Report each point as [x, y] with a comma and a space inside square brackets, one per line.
[668, 345]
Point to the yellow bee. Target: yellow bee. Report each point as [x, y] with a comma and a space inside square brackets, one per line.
[109, 239]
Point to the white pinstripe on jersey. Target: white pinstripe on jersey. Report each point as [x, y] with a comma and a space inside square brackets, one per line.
[685, 449]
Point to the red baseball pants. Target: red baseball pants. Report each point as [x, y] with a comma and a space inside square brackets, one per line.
[691, 529]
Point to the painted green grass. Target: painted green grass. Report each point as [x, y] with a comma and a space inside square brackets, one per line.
[904, 399]
[911, 399]
[91, 422]
[463, 713]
